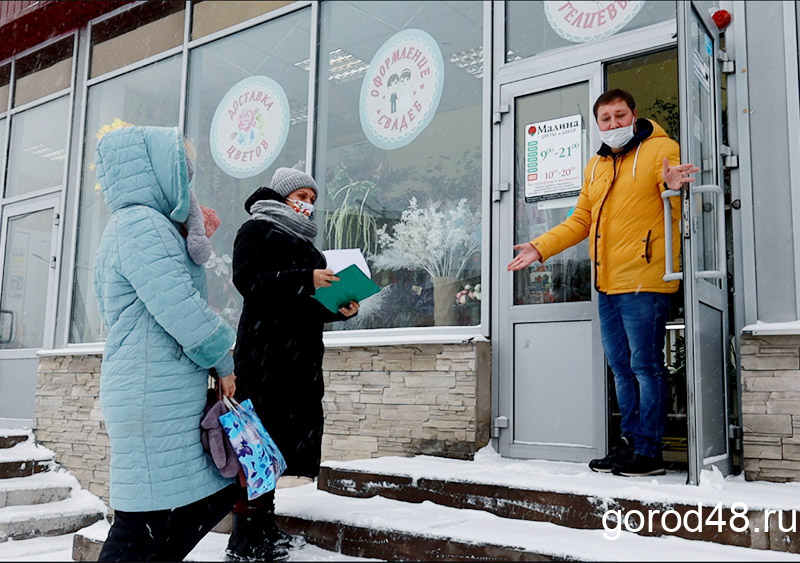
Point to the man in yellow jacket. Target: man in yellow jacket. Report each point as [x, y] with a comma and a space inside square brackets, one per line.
[621, 211]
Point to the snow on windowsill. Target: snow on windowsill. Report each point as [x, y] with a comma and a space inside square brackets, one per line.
[339, 339]
[773, 329]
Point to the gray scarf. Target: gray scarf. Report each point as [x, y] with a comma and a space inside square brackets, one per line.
[285, 218]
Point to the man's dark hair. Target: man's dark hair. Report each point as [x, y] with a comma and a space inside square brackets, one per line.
[612, 96]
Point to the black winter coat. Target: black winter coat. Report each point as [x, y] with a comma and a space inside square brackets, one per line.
[279, 347]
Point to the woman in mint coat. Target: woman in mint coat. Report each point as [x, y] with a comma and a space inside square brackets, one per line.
[162, 339]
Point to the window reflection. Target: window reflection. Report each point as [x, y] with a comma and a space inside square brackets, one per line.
[25, 276]
[394, 202]
[531, 31]
[38, 148]
[279, 50]
[565, 277]
[148, 96]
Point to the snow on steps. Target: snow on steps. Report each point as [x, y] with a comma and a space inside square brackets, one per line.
[20, 456]
[400, 531]
[37, 499]
[36, 489]
[568, 494]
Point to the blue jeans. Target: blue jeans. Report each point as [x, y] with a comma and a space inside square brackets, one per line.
[634, 327]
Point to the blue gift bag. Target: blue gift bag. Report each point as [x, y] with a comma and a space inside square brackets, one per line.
[261, 460]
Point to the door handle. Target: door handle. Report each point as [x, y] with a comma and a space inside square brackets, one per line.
[669, 274]
[10, 325]
[720, 251]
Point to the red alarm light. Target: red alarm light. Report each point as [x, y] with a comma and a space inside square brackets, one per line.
[722, 18]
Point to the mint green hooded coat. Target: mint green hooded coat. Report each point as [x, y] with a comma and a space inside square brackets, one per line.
[162, 335]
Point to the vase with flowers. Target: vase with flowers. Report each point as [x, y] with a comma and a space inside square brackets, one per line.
[437, 239]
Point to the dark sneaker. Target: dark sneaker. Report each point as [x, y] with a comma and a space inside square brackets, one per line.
[620, 454]
[641, 466]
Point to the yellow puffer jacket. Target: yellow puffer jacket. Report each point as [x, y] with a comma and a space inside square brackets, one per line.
[620, 209]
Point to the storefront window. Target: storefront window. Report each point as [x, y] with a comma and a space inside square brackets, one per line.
[3, 125]
[211, 15]
[44, 72]
[797, 18]
[533, 28]
[136, 34]
[5, 82]
[565, 277]
[25, 276]
[38, 148]
[399, 155]
[268, 60]
[148, 96]
[653, 81]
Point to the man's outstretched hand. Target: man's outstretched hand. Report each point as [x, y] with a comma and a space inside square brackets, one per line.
[527, 256]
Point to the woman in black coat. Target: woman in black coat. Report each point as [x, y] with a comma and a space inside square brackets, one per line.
[279, 349]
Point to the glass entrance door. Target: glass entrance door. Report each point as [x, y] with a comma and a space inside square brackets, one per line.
[704, 258]
[551, 395]
[28, 237]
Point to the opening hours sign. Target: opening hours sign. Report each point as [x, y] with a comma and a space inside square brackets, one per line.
[553, 158]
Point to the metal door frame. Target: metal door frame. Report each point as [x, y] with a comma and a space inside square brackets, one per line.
[10, 211]
[507, 314]
[695, 290]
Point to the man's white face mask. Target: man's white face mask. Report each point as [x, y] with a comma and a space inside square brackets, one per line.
[617, 138]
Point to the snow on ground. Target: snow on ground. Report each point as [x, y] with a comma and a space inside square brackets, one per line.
[210, 548]
[565, 477]
[479, 527]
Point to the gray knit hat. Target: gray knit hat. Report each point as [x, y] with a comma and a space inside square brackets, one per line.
[287, 180]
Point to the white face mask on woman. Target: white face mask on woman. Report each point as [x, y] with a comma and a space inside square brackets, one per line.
[617, 138]
[302, 207]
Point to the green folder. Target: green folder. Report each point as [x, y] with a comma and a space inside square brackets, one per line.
[353, 285]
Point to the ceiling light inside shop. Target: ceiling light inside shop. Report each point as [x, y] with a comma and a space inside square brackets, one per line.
[470, 61]
[343, 66]
[43, 151]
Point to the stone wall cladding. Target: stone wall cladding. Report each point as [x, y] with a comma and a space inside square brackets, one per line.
[67, 418]
[382, 400]
[406, 400]
[771, 407]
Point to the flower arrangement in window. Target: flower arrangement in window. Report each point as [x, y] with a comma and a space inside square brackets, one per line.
[441, 241]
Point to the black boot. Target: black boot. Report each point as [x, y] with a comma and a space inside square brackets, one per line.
[254, 539]
[619, 456]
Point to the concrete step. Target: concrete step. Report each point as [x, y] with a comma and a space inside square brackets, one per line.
[51, 519]
[569, 495]
[401, 531]
[36, 489]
